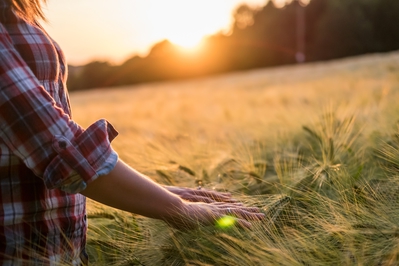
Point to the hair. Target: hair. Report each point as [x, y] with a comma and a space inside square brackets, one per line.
[29, 9]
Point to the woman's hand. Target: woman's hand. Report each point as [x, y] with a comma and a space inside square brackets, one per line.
[207, 207]
[195, 214]
[201, 195]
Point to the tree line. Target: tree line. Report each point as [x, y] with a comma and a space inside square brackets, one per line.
[262, 37]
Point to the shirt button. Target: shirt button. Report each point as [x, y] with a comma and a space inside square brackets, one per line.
[62, 144]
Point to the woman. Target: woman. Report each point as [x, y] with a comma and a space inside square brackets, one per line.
[48, 163]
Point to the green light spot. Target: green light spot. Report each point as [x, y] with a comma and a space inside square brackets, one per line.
[226, 222]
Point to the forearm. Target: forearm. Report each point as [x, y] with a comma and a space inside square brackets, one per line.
[128, 190]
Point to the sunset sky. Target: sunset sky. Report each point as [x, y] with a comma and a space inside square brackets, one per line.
[114, 30]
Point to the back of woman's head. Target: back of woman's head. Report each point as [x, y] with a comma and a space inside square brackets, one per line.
[30, 9]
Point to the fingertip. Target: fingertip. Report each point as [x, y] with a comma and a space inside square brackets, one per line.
[244, 224]
[261, 216]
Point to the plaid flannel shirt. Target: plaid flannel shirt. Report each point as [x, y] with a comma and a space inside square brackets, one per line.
[45, 157]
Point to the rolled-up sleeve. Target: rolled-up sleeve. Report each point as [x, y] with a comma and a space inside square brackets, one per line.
[42, 135]
[79, 162]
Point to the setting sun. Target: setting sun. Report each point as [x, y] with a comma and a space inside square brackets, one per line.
[188, 48]
[125, 28]
[187, 42]
[185, 23]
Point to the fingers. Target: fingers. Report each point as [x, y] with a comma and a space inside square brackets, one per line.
[238, 217]
[200, 209]
[234, 215]
[200, 198]
[244, 224]
[215, 195]
[195, 198]
[228, 204]
[202, 195]
[208, 196]
[247, 213]
[238, 210]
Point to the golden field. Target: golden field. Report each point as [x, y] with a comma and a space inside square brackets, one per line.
[315, 146]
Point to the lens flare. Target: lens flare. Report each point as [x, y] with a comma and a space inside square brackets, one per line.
[226, 222]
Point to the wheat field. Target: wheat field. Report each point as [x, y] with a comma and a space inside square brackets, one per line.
[315, 146]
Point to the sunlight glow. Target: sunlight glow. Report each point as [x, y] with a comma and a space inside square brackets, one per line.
[187, 46]
[184, 22]
[226, 222]
[131, 27]
[187, 42]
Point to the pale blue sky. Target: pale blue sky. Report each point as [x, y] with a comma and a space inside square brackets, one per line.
[114, 30]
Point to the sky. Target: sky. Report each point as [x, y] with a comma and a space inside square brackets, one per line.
[113, 31]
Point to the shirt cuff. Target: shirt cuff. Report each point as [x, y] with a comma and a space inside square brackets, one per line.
[83, 159]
